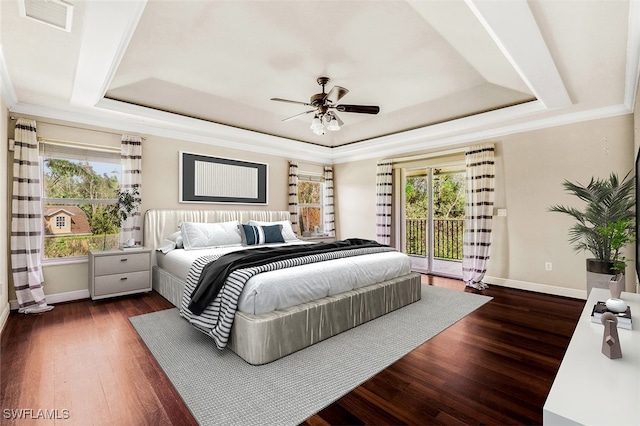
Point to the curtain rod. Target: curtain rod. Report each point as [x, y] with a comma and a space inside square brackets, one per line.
[79, 128]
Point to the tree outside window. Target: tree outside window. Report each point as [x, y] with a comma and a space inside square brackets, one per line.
[310, 204]
[448, 213]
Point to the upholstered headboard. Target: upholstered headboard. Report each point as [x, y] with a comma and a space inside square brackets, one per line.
[159, 223]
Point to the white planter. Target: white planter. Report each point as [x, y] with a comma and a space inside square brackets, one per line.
[600, 274]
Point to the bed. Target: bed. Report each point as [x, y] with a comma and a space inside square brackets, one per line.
[281, 321]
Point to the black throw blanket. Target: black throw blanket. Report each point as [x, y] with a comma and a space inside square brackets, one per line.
[215, 274]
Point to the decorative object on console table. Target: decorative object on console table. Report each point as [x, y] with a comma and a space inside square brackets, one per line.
[604, 227]
[117, 273]
[616, 305]
[610, 340]
[624, 318]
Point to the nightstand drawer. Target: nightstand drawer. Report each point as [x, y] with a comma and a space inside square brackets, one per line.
[129, 262]
[119, 283]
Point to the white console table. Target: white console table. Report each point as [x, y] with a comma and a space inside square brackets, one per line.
[591, 389]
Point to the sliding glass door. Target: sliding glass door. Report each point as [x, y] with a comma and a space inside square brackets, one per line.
[433, 216]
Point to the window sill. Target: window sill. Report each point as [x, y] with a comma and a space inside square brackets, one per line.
[65, 261]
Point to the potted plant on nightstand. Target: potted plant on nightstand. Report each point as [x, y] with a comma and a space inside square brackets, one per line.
[109, 219]
[604, 227]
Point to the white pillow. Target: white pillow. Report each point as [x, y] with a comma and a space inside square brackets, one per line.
[176, 237]
[166, 246]
[287, 230]
[196, 235]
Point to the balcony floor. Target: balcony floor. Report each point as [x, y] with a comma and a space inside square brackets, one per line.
[447, 268]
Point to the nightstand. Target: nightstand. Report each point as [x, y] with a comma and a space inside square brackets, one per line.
[319, 239]
[119, 272]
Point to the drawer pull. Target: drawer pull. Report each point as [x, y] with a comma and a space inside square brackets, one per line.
[123, 260]
[123, 278]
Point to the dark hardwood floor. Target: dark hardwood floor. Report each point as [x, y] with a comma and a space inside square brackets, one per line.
[86, 364]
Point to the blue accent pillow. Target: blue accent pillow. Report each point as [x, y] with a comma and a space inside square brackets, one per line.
[253, 234]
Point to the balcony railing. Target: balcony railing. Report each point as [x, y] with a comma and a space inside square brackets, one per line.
[447, 238]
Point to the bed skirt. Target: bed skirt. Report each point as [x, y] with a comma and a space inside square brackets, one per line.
[259, 339]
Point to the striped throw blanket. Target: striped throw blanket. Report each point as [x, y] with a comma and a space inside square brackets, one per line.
[217, 319]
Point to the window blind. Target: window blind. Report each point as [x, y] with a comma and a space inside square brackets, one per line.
[79, 152]
[311, 178]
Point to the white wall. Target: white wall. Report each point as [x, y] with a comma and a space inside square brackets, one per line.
[530, 169]
[355, 199]
[4, 238]
[535, 165]
[159, 189]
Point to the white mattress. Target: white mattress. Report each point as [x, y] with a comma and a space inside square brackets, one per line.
[284, 288]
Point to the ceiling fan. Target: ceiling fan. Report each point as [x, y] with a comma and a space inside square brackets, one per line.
[324, 108]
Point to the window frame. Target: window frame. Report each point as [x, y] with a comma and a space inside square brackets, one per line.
[92, 154]
[61, 221]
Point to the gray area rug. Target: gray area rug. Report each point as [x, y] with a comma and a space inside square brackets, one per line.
[221, 389]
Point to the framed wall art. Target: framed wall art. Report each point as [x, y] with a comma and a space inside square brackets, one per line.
[205, 179]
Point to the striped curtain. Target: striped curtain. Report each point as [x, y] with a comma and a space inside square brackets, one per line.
[383, 201]
[131, 154]
[329, 217]
[480, 185]
[27, 225]
[293, 196]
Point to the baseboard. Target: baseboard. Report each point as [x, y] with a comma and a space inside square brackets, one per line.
[4, 315]
[52, 299]
[537, 287]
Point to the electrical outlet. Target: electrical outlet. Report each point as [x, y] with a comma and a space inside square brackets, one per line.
[548, 266]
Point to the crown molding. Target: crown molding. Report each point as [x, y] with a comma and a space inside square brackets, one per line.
[176, 126]
[119, 116]
[430, 142]
[146, 121]
[435, 136]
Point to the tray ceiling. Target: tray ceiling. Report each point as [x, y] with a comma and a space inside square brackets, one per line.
[433, 67]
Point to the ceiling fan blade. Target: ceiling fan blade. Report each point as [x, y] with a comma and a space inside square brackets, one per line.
[291, 102]
[297, 115]
[336, 94]
[362, 109]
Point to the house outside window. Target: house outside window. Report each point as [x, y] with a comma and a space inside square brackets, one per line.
[79, 183]
[310, 205]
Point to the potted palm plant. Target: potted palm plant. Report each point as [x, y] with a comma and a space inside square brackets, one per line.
[603, 227]
[109, 219]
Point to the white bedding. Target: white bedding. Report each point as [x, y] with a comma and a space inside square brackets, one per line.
[281, 289]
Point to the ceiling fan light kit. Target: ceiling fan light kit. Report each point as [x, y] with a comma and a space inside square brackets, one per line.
[324, 103]
[333, 125]
[316, 125]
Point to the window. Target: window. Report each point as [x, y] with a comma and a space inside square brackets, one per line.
[79, 182]
[310, 196]
[61, 222]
